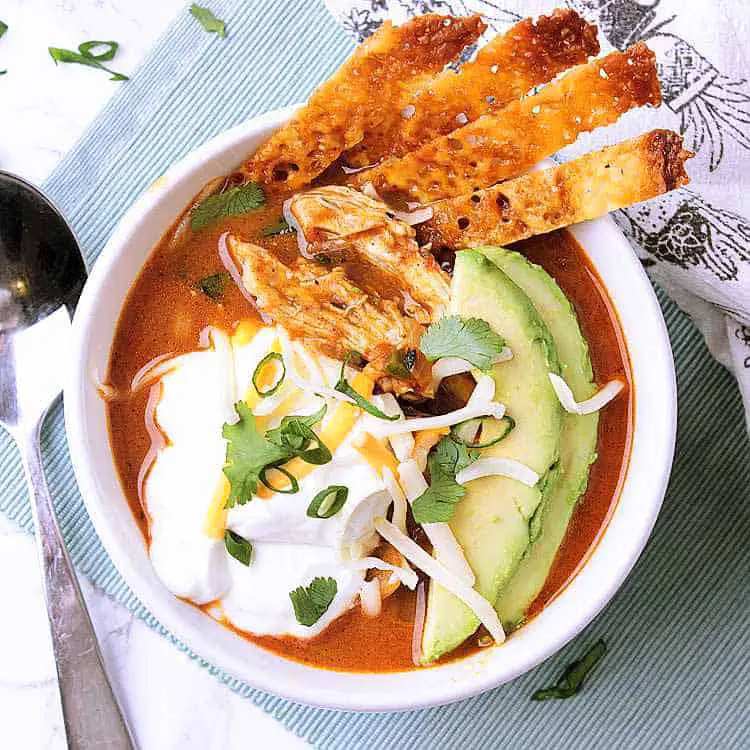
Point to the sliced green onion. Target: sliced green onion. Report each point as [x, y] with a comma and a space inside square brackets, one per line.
[458, 431]
[401, 363]
[296, 435]
[280, 227]
[571, 680]
[271, 356]
[289, 490]
[343, 387]
[299, 436]
[328, 502]
[238, 547]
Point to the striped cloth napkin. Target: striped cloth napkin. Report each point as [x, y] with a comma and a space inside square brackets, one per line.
[675, 675]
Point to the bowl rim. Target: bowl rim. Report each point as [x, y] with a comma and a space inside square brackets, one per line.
[650, 460]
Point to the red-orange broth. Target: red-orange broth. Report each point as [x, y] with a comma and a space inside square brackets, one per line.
[165, 313]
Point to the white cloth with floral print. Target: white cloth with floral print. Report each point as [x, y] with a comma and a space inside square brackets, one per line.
[695, 242]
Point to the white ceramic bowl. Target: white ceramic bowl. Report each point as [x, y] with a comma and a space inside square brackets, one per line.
[608, 565]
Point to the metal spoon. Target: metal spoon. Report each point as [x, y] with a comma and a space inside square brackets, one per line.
[41, 276]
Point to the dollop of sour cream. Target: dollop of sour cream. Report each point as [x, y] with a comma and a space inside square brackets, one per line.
[185, 483]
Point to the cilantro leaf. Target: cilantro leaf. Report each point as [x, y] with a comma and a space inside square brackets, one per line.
[342, 386]
[280, 227]
[438, 502]
[572, 678]
[452, 457]
[248, 453]
[295, 434]
[3, 28]
[471, 339]
[238, 547]
[208, 20]
[311, 602]
[87, 56]
[213, 285]
[233, 202]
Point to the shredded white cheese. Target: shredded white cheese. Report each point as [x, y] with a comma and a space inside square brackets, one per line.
[294, 377]
[444, 543]
[483, 391]
[503, 467]
[353, 170]
[447, 366]
[402, 443]
[397, 495]
[370, 598]
[406, 575]
[590, 405]
[289, 218]
[470, 411]
[157, 368]
[448, 580]
[413, 217]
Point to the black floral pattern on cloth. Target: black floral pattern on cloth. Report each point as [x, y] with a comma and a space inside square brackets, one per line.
[711, 106]
[685, 231]
[694, 234]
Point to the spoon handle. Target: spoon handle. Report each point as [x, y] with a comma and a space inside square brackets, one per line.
[90, 711]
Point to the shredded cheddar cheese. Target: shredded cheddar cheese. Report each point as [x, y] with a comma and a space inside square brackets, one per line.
[424, 442]
[216, 518]
[376, 454]
[245, 332]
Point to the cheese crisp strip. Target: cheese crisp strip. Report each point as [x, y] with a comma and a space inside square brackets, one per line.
[499, 146]
[505, 69]
[354, 99]
[582, 189]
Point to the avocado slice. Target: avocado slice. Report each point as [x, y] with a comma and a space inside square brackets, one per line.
[492, 521]
[577, 444]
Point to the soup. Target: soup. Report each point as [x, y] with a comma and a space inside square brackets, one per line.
[165, 313]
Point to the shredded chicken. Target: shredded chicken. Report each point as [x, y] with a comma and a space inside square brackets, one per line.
[320, 304]
[344, 224]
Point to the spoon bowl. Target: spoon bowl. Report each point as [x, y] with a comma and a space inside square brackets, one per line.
[41, 276]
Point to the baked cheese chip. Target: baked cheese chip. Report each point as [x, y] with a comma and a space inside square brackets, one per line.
[505, 144]
[356, 98]
[506, 68]
[582, 189]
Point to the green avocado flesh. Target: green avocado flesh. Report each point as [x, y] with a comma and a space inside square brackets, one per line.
[577, 442]
[511, 533]
[493, 521]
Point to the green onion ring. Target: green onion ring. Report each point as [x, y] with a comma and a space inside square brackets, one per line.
[259, 367]
[340, 493]
[506, 419]
[293, 483]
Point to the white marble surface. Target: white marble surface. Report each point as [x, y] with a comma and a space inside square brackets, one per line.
[171, 702]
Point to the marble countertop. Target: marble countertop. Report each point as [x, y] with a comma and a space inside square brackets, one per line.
[170, 701]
